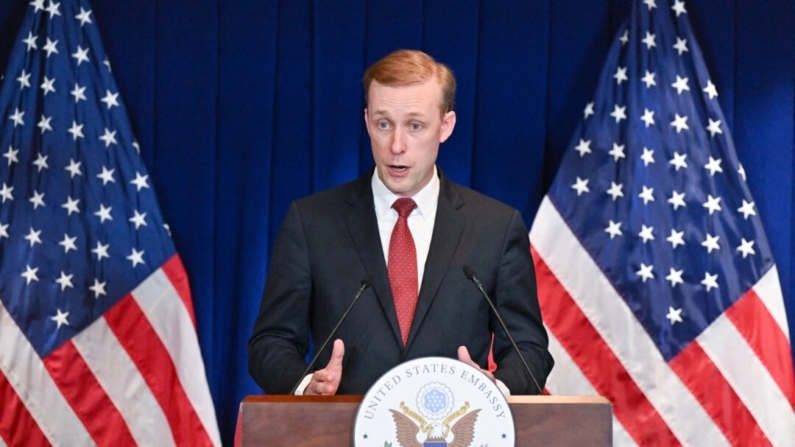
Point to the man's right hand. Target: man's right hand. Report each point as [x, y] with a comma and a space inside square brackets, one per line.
[326, 381]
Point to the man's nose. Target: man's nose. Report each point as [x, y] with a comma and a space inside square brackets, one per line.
[398, 142]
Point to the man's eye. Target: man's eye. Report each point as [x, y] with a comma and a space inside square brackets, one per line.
[382, 125]
[415, 127]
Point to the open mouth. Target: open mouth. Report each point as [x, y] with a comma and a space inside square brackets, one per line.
[398, 168]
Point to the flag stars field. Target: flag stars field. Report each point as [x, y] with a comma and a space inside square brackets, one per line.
[60, 318]
[615, 191]
[680, 123]
[712, 204]
[677, 199]
[41, 162]
[68, 243]
[676, 238]
[679, 161]
[617, 152]
[645, 272]
[24, 80]
[714, 127]
[619, 113]
[747, 209]
[648, 79]
[17, 118]
[710, 90]
[614, 229]
[675, 277]
[648, 117]
[713, 166]
[12, 155]
[674, 315]
[621, 75]
[679, 7]
[746, 248]
[584, 147]
[647, 157]
[581, 186]
[680, 85]
[647, 195]
[588, 110]
[711, 243]
[681, 45]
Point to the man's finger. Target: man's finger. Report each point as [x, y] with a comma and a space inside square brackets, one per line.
[463, 355]
[335, 363]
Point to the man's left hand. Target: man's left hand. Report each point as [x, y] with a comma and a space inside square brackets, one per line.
[463, 355]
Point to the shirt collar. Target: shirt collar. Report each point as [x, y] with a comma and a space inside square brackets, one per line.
[426, 199]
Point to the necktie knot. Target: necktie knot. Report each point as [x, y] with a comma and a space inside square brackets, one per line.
[404, 206]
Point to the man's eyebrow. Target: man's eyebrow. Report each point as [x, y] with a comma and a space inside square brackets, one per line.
[410, 115]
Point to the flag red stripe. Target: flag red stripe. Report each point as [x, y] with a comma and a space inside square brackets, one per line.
[175, 272]
[86, 396]
[150, 356]
[706, 382]
[598, 362]
[753, 320]
[17, 426]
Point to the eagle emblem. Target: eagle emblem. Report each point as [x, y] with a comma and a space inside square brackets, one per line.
[436, 434]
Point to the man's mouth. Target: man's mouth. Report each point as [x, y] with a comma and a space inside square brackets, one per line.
[398, 168]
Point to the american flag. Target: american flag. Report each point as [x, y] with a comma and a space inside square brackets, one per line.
[656, 280]
[98, 342]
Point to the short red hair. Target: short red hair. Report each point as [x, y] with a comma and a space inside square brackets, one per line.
[409, 67]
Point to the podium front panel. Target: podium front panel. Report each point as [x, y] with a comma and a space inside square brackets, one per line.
[309, 421]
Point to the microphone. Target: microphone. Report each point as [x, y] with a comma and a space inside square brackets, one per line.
[367, 280]
[470, 273]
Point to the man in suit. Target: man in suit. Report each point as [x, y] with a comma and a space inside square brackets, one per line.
[413, 230]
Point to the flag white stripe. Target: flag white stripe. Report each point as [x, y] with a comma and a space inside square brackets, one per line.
[567, 377]
[769, 290]
[123, 384]
[33, 384]
[163, 307]
[616, 324]
[747, 375]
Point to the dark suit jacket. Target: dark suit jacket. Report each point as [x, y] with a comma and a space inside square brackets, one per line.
[327, 243]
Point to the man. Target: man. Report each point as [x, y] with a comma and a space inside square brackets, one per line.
[420, 303]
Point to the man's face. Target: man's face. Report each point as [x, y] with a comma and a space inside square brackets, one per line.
[405, 130]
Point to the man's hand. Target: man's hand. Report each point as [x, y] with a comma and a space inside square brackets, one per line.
[326, 381]
[463, 355]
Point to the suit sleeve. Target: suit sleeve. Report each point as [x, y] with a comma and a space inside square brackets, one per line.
[280, 339]
[516, 298]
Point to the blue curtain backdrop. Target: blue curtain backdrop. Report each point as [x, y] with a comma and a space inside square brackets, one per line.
[241, 106]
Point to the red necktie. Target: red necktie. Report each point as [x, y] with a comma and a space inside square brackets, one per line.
[402, 267]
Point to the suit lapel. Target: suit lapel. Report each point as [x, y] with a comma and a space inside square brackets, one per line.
[363, 226]
[447, 230]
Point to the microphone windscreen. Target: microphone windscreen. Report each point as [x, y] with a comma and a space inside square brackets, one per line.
[367, 279]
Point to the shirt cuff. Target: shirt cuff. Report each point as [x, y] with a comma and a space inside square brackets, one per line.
[305, 382]
[500, 385]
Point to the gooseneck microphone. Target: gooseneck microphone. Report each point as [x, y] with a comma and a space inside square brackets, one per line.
[367, 280]
[472, 275]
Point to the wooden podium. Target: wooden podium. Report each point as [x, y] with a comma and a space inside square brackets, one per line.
[310, 421]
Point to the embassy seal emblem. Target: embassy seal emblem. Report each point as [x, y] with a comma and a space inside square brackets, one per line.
[434, 402]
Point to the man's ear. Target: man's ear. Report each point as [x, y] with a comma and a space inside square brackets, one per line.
[448, 124]
[366, 121]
